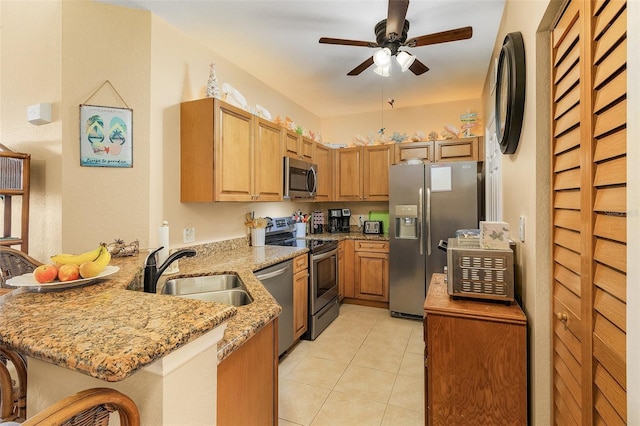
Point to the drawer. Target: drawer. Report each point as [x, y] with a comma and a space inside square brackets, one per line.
[300, 263]
[372, 246]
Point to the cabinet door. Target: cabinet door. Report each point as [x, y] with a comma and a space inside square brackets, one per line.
[300, 303]
[372, 276]
[322, 156]
[268, 168]
[248, 381]
[196, 151]
[291, 144]
[376, 162]
[457, 150]
[413, 150]
[306, 149]
[348, 272]
[233, 161]
[341, 271]
[348, 174]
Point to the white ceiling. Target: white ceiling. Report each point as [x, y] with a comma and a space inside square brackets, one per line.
[277, 42]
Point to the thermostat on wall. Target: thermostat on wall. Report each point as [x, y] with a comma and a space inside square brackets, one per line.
[39, 114]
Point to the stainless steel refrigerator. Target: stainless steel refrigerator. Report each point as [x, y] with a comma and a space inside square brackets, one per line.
[427, 203]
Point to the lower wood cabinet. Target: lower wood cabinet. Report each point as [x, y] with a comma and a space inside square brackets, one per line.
[372, 270]
[475, 360]
[300, 295]
[248, 381]
[346, 271]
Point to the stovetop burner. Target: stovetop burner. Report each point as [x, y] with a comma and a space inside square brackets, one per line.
[281, 232]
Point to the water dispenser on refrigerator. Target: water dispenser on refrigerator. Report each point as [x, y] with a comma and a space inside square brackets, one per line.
[407, 223]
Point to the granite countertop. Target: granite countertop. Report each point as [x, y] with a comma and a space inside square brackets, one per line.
[107, 331]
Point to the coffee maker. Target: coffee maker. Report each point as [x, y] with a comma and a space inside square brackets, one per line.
[335, 220]
[344, 221]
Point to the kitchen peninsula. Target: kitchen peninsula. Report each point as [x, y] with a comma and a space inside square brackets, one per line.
[81, 337]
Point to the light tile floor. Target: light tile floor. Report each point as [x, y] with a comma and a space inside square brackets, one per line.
[366, 368]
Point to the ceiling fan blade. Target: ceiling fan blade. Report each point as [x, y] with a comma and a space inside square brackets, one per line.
[442, 37]
[363, 66]
[418, 67]
[396, 16]
[343, 42]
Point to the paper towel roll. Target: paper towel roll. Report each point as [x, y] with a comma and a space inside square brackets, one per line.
[163, 241]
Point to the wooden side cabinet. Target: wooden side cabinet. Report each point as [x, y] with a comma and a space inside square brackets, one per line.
[413, 151]
[248, 381]
[300, 295]
[372, 270]
[15, 183]
[298, 146]
[475, 360]
[467, 149]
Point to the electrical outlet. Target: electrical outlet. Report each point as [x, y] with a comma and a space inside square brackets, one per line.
[361, 219]
[189, 235]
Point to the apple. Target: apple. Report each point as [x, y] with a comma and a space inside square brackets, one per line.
[89, 269]
[68, 272]
[45, 273]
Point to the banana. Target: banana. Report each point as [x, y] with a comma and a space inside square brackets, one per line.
[77, 259]
[103, 259]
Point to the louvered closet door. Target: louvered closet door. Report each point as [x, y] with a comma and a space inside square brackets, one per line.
[589, 219]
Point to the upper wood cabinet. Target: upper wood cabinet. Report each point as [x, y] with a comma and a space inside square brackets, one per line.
[298, 146]
[465, 149]
[228, 154]
[323, 158]
[413, 150]
[362, 173]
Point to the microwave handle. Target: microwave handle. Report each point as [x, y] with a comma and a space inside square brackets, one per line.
[312, 172]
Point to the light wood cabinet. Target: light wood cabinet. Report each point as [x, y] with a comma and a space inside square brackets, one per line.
[371, 270]
[341, 271]
[228, 154]
[362, 173]
[248, 381]
[300, 295]
[323, 158]
[464, 149]
[475, 360]
[348, 273]
[15, 172]
[413, 150]
[467, 149]
[298, 146]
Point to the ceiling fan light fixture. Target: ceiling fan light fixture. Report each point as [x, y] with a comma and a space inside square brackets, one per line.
[383, 71]
[405, 60]
[382, 58]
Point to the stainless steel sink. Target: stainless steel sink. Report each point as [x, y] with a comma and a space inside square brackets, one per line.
[222, 288]
[235, 297]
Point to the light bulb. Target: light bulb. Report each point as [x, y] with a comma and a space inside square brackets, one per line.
[382, 57]
[405, 60]
[383, 71]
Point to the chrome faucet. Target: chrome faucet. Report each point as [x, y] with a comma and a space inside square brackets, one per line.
[152, 272]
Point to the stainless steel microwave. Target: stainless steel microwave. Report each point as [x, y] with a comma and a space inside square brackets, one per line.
[300, 178]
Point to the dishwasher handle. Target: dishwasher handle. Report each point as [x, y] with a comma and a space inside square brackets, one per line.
[275, 273]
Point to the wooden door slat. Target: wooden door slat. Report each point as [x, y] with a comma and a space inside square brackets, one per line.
[606, 16]
[569, 219]
[567, 103]
[567, 278]
[568, 20]
[568, 63]
[611, 227]
[567, 199]
[567, 239]
[614, 34]
[610, 387]
[612, 199]
[611, 308]
[609, 348]
[610, 65]
[567, 180]
[606, 411]
[611, 253]
[610, 280]
[611, 146]
[611, 92]
[567, 160]
[611, 119]
[571, 79]
[567, 141]
[612, 172]
[568, 39]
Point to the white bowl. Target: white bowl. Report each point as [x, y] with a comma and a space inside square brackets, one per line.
[413, 161]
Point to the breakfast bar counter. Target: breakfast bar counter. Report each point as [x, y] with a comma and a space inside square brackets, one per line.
[107, 331]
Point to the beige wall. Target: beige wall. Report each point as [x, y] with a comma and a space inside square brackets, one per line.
[525, 189]
[425, 118]
[31, 58]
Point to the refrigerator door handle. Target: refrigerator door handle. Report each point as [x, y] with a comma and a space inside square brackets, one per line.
[428, 220]
[420, 220]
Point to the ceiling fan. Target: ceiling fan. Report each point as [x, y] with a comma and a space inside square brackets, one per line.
[391, 35]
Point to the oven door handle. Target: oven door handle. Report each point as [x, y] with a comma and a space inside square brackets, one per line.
[272, 274]
[323, 256]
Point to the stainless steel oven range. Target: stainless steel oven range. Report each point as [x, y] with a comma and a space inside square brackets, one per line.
[323, 273]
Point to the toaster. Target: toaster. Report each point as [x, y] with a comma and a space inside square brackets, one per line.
[373, 227]
[476, 272]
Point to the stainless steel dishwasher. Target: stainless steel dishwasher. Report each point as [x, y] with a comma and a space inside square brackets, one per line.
[278, 280]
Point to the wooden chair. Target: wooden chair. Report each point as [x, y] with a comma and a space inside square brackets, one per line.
[90, 407]
[13, 263]
[13, 386]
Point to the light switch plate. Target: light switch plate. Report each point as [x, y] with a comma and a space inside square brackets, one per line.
[521, 229]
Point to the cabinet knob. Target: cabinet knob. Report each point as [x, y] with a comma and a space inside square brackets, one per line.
[561, 316]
